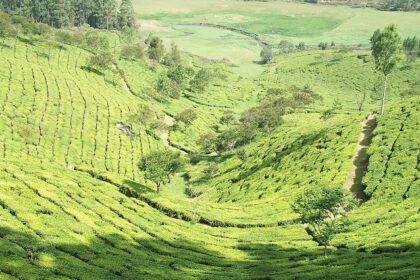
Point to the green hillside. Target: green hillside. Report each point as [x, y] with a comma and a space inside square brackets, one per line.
[74, 203]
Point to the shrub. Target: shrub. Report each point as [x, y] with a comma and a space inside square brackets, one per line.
[266, 55]
[187, 116]
[132, 52]
[210, 171]
[323, 45]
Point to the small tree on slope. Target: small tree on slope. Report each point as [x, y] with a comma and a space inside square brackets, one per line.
[158, 166]
[386, 50]
[320, 208]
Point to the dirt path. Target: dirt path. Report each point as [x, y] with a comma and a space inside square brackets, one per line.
[169, 122]
[360, 159]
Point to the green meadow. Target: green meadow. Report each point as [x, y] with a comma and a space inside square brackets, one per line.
[184, 23]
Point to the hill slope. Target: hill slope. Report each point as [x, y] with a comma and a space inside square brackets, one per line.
[73, 204]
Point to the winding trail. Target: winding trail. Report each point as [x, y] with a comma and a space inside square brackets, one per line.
[360, 160]
[168, 120]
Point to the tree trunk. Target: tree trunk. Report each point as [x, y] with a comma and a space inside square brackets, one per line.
[158, 187]
[384, 95]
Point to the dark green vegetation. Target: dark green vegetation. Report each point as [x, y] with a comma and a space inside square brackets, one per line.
[59, 13]
[93, 122]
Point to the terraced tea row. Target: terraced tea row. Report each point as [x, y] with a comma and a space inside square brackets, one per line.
[61, 224]
[392, 182]
[54, 111]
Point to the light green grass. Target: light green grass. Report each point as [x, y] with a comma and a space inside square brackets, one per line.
[271, 21]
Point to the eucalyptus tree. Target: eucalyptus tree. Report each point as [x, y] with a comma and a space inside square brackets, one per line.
[386, 51]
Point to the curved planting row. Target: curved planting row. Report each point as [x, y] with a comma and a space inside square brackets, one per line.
[70, 117]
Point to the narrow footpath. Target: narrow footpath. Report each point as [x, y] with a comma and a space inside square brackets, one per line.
[360, 159]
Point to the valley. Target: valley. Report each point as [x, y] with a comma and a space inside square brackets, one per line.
[83, 109]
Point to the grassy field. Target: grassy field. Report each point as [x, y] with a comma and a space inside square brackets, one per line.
[270, 21]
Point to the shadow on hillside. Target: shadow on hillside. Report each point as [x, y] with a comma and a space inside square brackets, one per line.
[361, 161]
[118, 256]
[137, 187]
[27, 41]
[277, 156]
[91, 70]
[4, 45]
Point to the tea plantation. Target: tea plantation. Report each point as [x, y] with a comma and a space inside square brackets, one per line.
[75, 205]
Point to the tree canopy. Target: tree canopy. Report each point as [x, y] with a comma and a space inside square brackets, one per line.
[321, 208]
[158, 166]
[58, 13]
[386, 51]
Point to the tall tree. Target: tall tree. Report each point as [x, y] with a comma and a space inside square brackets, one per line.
[103, 14]
[16, 7]
[39, 11]
[59, 13]
[82, 10]
[386, 50]
[126, 16]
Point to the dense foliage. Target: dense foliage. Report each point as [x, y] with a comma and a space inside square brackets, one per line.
[98, 14]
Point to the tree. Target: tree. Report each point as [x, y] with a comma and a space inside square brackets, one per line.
[156, 49]
[386, 51]
[167, 87]
[210, 171]
[97, 42]
[158, 166]
[411, 48]
[321, 208]
[101, 61]
[180, 74]
[64, 37]
[201, 80]
[132, 52]
[301, 46]
[286, 47]
[126, 16]
[266, 54]
[323, 45]
[264, 117]
[175, 54]
[231, 138]
[59, 15]
[207, 142]
[104, 14]
[174, 57]
[301, 98]
[187, 116]
[228, 117]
